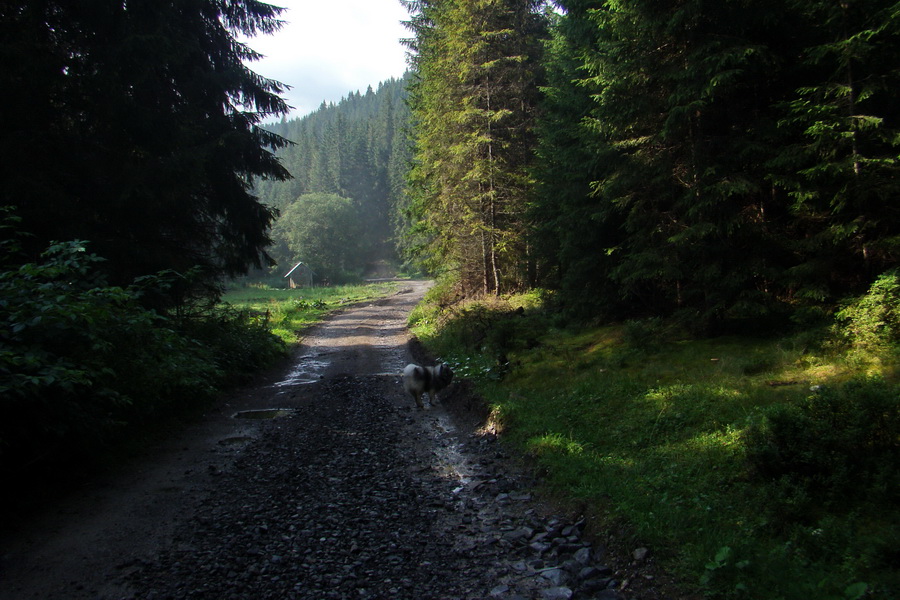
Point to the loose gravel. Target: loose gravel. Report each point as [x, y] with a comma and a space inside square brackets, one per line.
[345, 491]
[352, 496]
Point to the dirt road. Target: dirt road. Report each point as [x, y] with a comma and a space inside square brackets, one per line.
[343, 490]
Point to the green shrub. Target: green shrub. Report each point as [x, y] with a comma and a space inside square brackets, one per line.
[840, 444]
[239, 344]
[80, 361]
[645, 334]
[873, 320]
[828, 471]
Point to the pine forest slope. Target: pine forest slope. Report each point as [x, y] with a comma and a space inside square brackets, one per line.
[356, 150]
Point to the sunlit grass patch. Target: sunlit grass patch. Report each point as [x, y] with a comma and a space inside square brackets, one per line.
[289, 312]
[656, 430]
[555, 442]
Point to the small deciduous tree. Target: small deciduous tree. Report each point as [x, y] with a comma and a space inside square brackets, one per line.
[324, 231]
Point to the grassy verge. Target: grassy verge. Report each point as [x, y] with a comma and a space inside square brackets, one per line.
[289, 312]
[753, 468]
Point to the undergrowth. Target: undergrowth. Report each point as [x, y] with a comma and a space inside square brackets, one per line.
[755, 468]
[84, 365]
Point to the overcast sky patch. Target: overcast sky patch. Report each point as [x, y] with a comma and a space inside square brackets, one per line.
[328, 49]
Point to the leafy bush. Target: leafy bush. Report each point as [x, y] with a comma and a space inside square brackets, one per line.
[428, 314]
[326, 231]
[239, 344]
[80, 360]
[829, 470]
[873, 320]
[840, 444]
[301, 304]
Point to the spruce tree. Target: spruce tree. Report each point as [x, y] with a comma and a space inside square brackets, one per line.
[473, 103]
[573, 231]
[683, 125]
[840, 168]
[135, 126]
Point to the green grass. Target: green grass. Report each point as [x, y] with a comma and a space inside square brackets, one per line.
[290, 312]
[656, 434]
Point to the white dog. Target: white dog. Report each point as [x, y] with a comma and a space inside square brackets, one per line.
[421, 380]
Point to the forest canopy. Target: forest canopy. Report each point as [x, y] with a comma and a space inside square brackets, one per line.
[714, 161]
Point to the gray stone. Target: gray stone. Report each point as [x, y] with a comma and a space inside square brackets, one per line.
[583, 556]
[569, 547]
[522, 533]
[556, 577]
[640, 554]
[539, 547]
[572, 566]
[596, 585]
[557, 593]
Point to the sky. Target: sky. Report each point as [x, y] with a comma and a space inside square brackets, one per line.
[329, 48]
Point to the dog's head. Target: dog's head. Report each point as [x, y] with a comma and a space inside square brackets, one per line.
[443, 375]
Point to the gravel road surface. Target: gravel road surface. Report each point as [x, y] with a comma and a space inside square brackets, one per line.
[323, 482]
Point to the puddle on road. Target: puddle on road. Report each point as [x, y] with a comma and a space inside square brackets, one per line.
[307, 370]
[264, 413]
[451, 462]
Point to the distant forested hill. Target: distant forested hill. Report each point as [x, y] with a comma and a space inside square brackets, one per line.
[356, 151]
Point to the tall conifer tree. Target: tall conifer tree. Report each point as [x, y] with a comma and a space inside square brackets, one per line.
[685, 100]
[135, 126]
[573, 229]
[840, 166]
[473, 103]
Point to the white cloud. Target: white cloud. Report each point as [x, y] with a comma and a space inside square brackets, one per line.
[329, 48]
